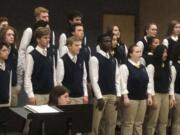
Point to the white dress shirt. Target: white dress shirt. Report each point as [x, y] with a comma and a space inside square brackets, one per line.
[63, 49]
[2, 66]
[94, 75]
[22, 53]
[150, 70]
[124, 73]
[29, 70]
[141, 45]
[61, 72]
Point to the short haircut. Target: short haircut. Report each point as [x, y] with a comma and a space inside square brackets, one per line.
[55, 93]
[41, 31]
[73, 27]
[39, 10]
[71, 40]
[3, 19]
[74, 13]
[100, 38]
[40, 23]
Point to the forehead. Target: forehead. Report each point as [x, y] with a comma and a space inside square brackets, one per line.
[78, 27]
[43, 14]
[77, 42]
[106, 38]
[4, 48]
[115, 28]
[77, 18]
[4, 22]
[9, 31]
[153, 26]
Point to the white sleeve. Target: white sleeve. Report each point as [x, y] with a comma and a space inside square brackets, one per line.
[94, 76]
[173, 78]
[124, 73]
[26, 39]
[60, 72]
[85, 81]
[28, 73]
[62, 44]
[53, 37]
[150, 71]
[117, 80]
[126, 49]
[165, 42]
[140, 45]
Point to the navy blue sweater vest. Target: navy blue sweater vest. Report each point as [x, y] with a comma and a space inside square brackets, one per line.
[42, 76]
[12, 62]
[161, 83]
[171, 47]
[73, 76]
[137, 82]
[148, 59]
[177, 81]
[85, 55]
[107, 73]
[146, 48]
[4, 87]
[120, 53]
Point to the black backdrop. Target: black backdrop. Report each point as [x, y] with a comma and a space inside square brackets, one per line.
[20, 13]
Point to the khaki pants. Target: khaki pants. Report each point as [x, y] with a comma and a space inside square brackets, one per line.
[176, 117]
[14, 96]
[157, 118]
[133, 117]
[105, 120]
[42, 99]
[75, 101]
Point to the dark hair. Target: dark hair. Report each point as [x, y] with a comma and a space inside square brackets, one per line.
[150, 41]
[74, 13]
[55, 93]
[73, 27]
[40, 23]
[37, 24]
[130, 50]
[3, 18]
[176, 55]
[171, 26]
[157, 62]
[147, 26]
[100, 38]
[3, 34]
[2, 45]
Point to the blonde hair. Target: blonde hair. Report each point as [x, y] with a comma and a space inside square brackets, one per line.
[39, 10]
[71, 40]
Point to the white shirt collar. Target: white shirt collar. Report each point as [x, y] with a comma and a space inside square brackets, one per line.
[103, 53]
[2, 66]
[145, 37]
[72, 57]
[41, 50]
[135, 64]
[175, 38]
[150, 53]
